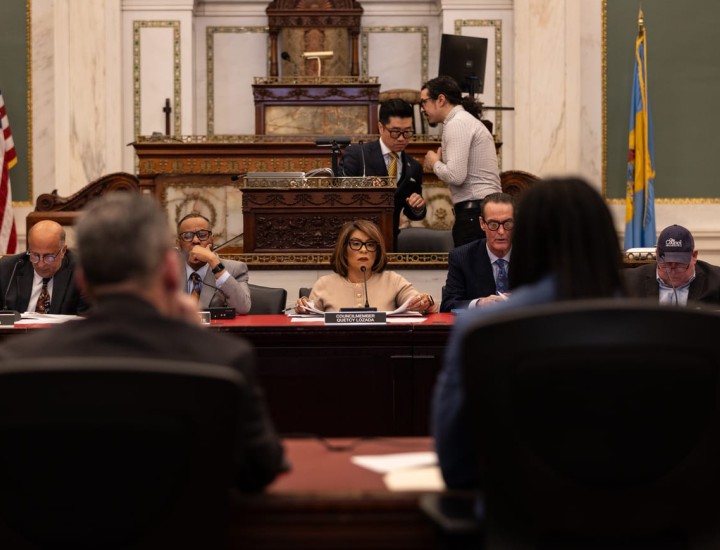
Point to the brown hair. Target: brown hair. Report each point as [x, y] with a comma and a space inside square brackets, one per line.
[338, 260]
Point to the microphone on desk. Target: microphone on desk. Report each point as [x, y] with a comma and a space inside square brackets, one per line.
[367, 303]
[364, 270]
[10, 316]
[10, 282]
[224, 312]
[217, 289]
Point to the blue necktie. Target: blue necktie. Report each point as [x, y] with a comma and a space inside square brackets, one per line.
[501, 283]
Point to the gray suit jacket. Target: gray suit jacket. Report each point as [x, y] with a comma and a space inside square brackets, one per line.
[234, 293]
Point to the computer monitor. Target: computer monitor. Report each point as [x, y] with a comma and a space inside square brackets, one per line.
[464, 59]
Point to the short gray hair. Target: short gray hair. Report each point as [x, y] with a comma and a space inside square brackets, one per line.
[122, 236]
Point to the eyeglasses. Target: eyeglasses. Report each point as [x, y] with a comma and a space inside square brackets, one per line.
[422, 101]
[395, 133]
[203, 235]
[355, 244]
[47, 258]
[494, 226]
[675, 268]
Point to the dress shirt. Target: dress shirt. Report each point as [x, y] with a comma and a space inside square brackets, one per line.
[493, 259]
[469, 162]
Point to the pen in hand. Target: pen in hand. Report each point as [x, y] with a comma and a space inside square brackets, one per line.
[502, 295]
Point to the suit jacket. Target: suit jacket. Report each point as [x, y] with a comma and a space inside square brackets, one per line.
[65, 299]
[470, 275]
[124, 325]
[374, 165]
[642, 282]
[234, 293]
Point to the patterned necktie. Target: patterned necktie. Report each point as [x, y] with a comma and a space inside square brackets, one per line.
[501, 284]
[43, 303]
[195, 290]
[392, 167]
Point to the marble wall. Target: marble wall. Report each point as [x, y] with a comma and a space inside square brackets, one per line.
[102, 71]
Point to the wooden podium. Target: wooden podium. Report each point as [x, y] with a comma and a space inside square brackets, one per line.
[306, 214]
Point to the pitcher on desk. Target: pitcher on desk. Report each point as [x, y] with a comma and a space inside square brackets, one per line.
[360, 279]
[213, 283]
[42, 280]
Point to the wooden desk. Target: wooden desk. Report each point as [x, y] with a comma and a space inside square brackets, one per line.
[337, 381]
[328, 502]
[340, 381]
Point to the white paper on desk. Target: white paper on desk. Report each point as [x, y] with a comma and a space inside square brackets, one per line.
[403, 309]
[382, 464]
[45, 318]
[306, 319]
[428, 478]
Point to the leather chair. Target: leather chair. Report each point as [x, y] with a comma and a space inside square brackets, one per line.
[597, 425]
[424, 239]
[265, 300]
[101, 452]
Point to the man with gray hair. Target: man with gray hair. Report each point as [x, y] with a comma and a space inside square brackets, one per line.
[131, 270]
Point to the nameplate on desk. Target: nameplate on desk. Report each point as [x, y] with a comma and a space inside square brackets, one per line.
[355, 317]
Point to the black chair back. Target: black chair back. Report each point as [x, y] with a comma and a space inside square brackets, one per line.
[265, 300]
[596, 422]
[115, 452]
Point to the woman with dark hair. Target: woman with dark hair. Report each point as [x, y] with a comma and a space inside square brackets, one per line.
[359, 259]
[564, 248]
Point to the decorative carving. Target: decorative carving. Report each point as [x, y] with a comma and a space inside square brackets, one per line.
[516, 182]
[119, 181]
[305, 232]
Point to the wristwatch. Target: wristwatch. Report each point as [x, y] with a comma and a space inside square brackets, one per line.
[218, 268]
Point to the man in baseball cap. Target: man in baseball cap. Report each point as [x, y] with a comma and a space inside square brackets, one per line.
[678, 276]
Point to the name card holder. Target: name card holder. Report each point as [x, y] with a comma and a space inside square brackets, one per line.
[355, 317]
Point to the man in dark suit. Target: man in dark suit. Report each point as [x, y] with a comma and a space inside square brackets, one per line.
[386, 157]
[42, 279]
[130, 269]
[677, 277]
[477, 271]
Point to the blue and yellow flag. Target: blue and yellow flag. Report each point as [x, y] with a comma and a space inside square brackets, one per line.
[640, 194]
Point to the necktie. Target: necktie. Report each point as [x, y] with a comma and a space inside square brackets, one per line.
[43, 303]
[501, 283]
[195, 289]
[392, 167]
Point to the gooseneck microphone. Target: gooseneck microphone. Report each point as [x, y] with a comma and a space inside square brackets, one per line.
[364, 269]
[217, 289]
[10, 282]
[362, 154]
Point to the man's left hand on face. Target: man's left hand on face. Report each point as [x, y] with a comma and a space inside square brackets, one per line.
[415, 201]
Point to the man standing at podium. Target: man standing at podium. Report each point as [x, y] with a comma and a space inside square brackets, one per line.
[386, 157]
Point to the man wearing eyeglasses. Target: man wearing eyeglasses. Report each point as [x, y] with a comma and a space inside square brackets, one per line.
[42, 279]
[467, 159]
[477, 271]
[677, 277]
[386, 157]
[214, 283]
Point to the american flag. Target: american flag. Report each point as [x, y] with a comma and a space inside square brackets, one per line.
[8, 235]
